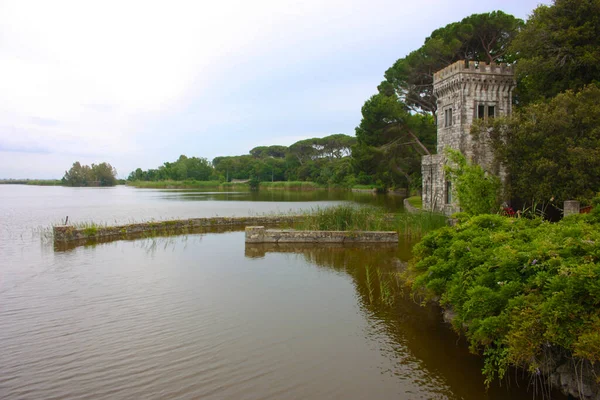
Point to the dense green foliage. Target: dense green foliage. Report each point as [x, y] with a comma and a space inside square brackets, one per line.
[518, 287]
[477, 192]
[558, 49]
[552, 149]
[102, 174]
[192, 168]
[479, 37]
[325, 161]
[391, 142]
[398, 123]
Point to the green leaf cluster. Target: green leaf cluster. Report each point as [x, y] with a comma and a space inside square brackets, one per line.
[477, 192]
[552, 149]
[558, 49]
[391, 142]
[325, 161]
[478, 37]
[185, 168]
[516, 286]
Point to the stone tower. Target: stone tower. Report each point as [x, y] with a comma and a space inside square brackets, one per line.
[465, 91]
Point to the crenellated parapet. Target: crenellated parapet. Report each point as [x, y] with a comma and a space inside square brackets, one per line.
[465, 92]
[477, 67]
[482, 76]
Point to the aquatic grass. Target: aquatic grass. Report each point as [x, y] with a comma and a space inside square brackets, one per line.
[346, 218]
[418, 224]
[370, 284]
[385, 291]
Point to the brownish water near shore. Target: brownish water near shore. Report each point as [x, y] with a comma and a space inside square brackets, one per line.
[204, 316]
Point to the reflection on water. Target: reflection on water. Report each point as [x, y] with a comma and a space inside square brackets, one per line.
[204, 316]
[415, 338]
[390, 202]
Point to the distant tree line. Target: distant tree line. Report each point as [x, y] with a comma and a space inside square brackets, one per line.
[549, 145]
[102, 174]
[324, 160]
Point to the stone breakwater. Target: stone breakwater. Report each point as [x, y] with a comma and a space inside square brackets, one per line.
[258, 234]
[68, 233]
[410, 208]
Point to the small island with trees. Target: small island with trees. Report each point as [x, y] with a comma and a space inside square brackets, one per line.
[102, 174]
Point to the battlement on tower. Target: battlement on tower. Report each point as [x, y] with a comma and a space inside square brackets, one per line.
[466, 92]
[473, 67]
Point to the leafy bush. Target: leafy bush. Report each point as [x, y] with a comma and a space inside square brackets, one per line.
[477, 191]
[517, 286]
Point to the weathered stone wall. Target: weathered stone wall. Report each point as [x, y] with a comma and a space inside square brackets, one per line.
[65, 233]
[434, 189]
[462, 87]
[571, 207]
[258, 234]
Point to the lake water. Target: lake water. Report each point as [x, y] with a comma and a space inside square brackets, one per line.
[203, 316]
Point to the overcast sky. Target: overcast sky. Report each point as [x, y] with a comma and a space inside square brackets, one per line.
[137, 83]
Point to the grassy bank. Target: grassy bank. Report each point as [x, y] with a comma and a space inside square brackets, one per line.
[38, 182]
[365, 218]
[292, 185]
[519, 289]
[187, 185]
[45, 182]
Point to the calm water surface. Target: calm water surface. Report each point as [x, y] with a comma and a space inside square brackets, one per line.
[203, 316]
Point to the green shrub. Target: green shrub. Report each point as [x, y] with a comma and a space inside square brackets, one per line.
[517, 286]
[477, 192]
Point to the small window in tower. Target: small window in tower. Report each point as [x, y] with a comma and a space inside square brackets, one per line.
[448, 117]
[448, 192]
[491, 111]
[481, 111]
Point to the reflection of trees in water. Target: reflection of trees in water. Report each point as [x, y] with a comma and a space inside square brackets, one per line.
[422, 347]
[391, 203]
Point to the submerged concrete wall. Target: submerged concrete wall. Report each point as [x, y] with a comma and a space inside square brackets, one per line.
[258, 234]
[67, 233]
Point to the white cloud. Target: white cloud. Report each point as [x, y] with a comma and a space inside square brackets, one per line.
[90, 78]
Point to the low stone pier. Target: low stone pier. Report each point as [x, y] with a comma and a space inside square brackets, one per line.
[258, 234]
[68, 233]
